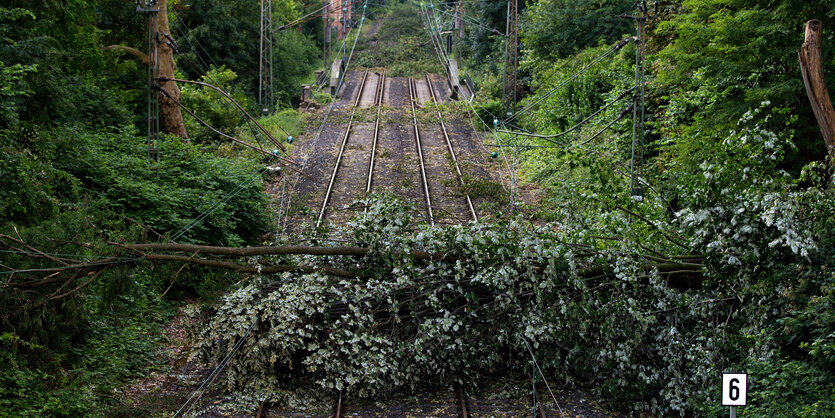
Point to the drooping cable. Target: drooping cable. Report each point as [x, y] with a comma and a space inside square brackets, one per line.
[573, 77]
[192, 400]
[533, 357]
[550, 138]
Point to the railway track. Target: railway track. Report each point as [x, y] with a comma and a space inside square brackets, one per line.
[355, 140]
[360, 147]
[433, 148]
[451, 150]
[421, 159]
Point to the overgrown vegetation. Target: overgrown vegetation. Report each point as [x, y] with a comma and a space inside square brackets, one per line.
[724, 263]
[75, 178]
[401, 45]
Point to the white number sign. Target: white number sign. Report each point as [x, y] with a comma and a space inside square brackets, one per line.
[734, 389]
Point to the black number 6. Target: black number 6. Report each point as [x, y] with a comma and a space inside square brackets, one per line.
[734, 389]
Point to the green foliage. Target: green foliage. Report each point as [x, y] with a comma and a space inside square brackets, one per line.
[580, 98]
[555, 29]
[212, 107]
[482, 46]
[487, 111]
[64, 69]
[187, 188]
[279, 124]
[120, 341]
[13, 87]
[623, 329]
[400, 45]
[31, 189]
[296, 56]
[28, 391]
[322, 98]
[725, 57]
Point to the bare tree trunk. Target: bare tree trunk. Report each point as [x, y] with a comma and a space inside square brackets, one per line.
[172, 119]
[811, 66]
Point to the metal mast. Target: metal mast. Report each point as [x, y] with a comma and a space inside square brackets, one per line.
[639, 104]
[512, 49]
[150, 7]
[265, 64]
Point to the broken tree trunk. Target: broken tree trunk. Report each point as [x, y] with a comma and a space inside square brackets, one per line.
[172, 119]
[811, 66]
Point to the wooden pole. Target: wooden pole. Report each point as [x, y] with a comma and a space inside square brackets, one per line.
[811, 67]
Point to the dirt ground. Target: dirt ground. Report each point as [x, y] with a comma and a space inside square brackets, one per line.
[396, 169]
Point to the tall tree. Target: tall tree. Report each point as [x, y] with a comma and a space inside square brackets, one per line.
[172, 118]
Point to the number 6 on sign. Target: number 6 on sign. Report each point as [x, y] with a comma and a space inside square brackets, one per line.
[734, 389]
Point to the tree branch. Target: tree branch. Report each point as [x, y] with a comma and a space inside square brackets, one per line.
[127, 50]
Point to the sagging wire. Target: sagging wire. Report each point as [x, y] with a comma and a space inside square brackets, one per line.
[231, 100]
[533, 358]
[215, 373]
[573, 77]
[569, 146]
[550, 138]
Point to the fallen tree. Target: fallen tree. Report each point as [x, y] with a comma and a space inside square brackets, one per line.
[634, 314]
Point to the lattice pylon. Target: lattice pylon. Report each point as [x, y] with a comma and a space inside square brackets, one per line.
[265, 63]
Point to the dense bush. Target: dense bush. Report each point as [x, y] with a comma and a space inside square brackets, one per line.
[187, 190]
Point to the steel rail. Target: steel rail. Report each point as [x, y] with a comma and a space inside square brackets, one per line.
[341, 151]
[412, 98]
[381, 85]
[451, 150]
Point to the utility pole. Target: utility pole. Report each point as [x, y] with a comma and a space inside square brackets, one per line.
[326, 34]
[639, 103]
[265, 65]
[161, 46]
[151, 8]
[459, 19]
[511, 52]
[346, 17]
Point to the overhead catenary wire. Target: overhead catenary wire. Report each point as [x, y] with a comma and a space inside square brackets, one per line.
[533, 357]
[593, 137]
[225, 94]
[442, 57]
[282, 160]
[573, 77]
[192, 400]
[550, 138]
